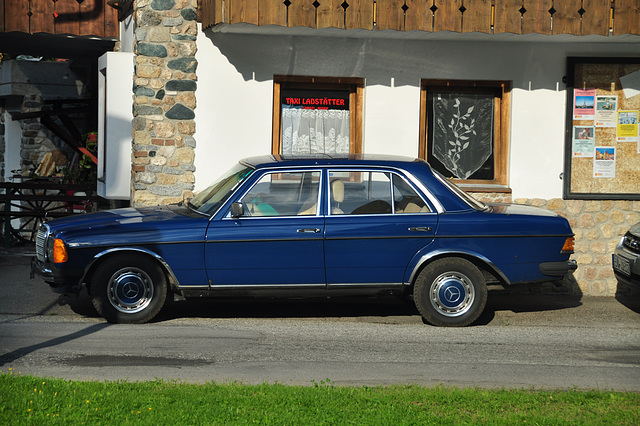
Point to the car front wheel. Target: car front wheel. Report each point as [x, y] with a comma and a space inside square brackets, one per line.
[450, 292]
[128, 290]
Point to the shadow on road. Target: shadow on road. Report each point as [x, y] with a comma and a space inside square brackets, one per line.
[21, 352]
[290, 308]
[380, 309]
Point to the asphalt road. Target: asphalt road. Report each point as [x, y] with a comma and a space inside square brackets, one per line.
[523, 340]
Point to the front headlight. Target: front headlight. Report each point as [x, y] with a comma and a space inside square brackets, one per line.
[49, 248]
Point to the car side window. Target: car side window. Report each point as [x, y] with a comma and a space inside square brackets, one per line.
[406, 199]
[356, 192]
[372, 192]
[283, 194]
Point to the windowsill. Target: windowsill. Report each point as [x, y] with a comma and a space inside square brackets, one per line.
[503, 189]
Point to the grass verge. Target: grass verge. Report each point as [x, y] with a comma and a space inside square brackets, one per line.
[32, 400]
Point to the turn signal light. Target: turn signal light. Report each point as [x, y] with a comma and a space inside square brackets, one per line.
[567, 248]
[59, 251]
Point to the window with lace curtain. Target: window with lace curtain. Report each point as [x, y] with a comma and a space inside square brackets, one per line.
[317, 115]
[464, 130]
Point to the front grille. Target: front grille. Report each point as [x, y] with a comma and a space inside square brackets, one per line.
[41, 240]
[632, 242]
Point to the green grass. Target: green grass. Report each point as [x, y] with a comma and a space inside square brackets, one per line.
[32, 400]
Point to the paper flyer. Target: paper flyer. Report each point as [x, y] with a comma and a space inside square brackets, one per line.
[627, 128]
[606, 111]
[604, 163]
[584, 141]
[584, 104]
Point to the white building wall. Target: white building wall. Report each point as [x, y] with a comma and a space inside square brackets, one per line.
[235, 93]
[392, 120]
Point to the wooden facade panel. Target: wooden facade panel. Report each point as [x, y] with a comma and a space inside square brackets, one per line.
[95, 17]
[418, 16]
[68, 19]
[448, 16]
[626, 18]
[111, 22]
[477, 16]
[302, 14]
[360, 14]
[566, 19]
[537, 18]
[206, 15]
[596, 18]
[16, 18]
[42, 20]
[242, 11]
[507, 17]
[331, 14]
[389, 15]
[91, 18]
[88, 17]
[271, 12]
[219, 14]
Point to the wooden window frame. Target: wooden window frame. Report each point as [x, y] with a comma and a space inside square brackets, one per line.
[355, 86]
[502, 108]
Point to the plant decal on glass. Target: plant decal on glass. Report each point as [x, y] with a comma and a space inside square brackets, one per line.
[463, 129]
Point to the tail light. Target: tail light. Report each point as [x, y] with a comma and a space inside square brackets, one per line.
[567, 248]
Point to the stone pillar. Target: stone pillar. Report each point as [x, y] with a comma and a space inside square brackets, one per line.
[164, 101]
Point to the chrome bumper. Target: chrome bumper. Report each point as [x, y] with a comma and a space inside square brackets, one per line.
[60, 281]
[558, 269]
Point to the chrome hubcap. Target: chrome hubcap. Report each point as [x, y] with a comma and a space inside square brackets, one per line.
[452, 294]
[130, 290]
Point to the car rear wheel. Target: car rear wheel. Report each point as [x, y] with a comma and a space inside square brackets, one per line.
[450, 292]
[128, 290]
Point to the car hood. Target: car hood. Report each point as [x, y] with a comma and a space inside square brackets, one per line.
[635, 230]
[125, 225]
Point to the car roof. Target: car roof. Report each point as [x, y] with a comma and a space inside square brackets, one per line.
[266, 161]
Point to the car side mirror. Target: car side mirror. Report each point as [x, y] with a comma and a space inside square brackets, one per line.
[237, 210]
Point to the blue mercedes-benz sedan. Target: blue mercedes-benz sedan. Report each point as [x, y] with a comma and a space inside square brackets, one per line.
[320, 226]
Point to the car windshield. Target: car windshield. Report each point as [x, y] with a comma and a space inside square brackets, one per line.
[478, 205]
[209, 200]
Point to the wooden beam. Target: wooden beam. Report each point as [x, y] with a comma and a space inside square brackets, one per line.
[60, 132]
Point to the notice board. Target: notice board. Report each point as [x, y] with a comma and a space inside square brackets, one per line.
[602, 142]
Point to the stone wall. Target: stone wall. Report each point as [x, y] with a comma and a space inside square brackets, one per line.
[37, 141]
[164, 101]
[598, 226]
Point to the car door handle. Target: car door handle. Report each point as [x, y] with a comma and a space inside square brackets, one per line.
[309, 230]
[420, 229]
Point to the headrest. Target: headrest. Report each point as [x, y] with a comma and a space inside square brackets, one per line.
[337, 190]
